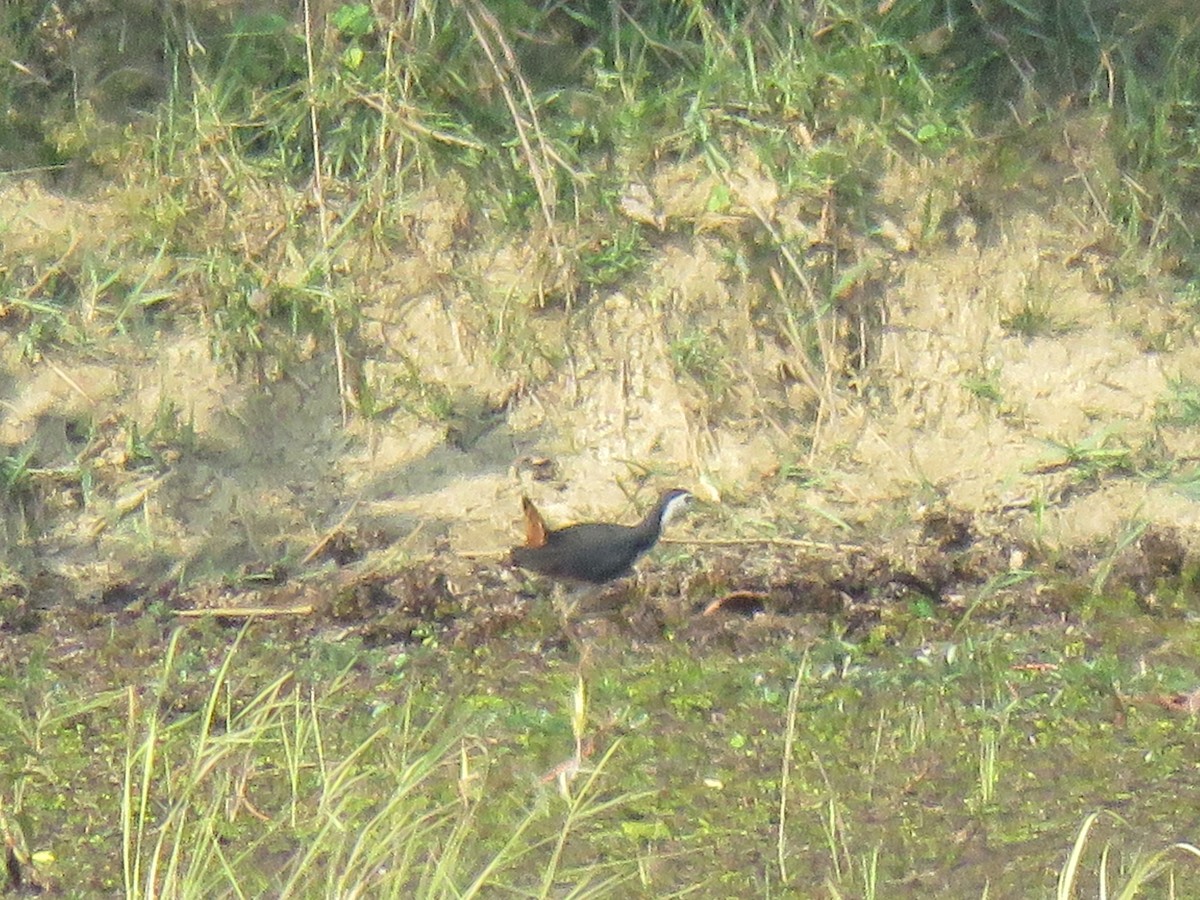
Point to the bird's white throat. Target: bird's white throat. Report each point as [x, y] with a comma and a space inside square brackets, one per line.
[674, 505]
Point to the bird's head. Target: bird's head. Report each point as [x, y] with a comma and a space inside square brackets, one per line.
[672, 502]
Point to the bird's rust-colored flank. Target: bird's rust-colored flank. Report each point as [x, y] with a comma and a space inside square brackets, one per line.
[535, 525]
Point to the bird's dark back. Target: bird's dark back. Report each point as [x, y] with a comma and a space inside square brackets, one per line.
[595, 552]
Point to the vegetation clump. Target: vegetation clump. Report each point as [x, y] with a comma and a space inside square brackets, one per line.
[288, 296]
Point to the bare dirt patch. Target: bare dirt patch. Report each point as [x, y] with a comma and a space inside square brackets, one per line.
[967, 409]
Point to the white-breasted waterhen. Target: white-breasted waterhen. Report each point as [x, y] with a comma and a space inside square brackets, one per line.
[592, 552]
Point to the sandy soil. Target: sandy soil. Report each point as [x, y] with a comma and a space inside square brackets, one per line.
[587, 408]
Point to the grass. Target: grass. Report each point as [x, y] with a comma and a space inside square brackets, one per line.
[240, 765]
[985, 386]
[613, 260]
[1180, 407]
[1096, 456]
[266, 787]
[544, 110]
[1136, 877]
[700, 356]
[290, 187]
[1034, 319]
[1036, 315]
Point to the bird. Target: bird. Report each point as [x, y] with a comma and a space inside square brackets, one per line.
[592, 552]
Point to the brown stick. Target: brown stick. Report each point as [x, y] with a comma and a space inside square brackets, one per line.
[773, 542]
[243, 612]
[328, 536]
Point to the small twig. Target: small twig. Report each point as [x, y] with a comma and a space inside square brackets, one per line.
[328, 535]
[71, 382]
[482, 554]
[54, 268]
[244, 612]
[244, 802]
[772, 542]
[123, 506]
